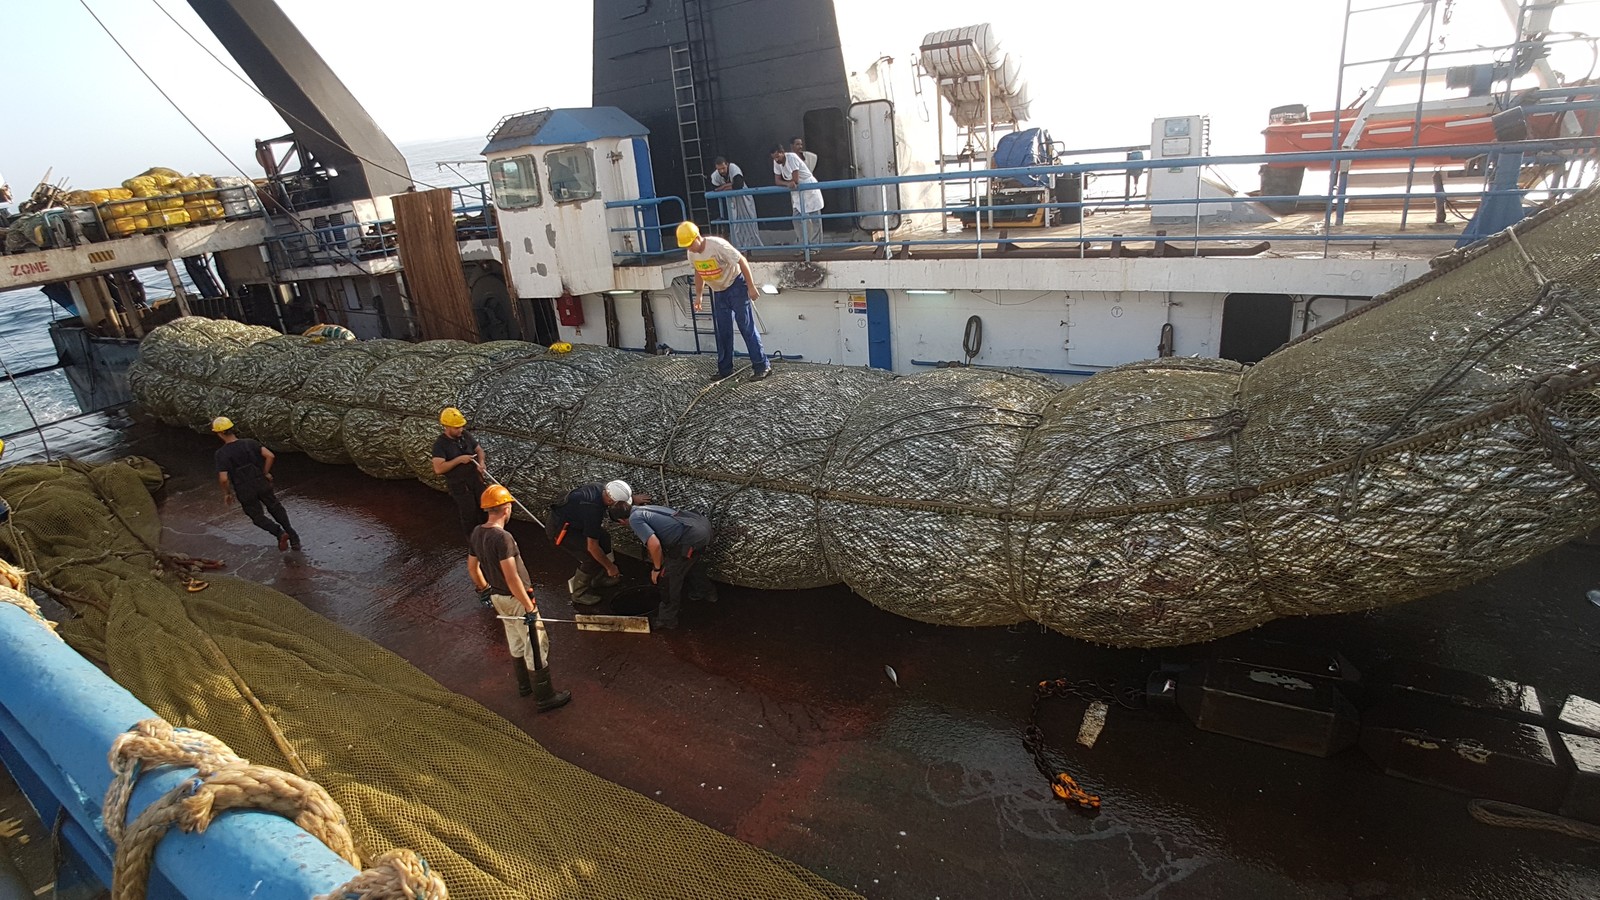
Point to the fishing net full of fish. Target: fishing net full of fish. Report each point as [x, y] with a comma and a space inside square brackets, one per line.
[1442, 433]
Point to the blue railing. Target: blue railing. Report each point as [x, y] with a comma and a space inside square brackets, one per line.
[650, 234]
[348, 243]
[1331, 230]
[472, 205]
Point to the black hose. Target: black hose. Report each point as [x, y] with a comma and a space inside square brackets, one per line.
[972, 338]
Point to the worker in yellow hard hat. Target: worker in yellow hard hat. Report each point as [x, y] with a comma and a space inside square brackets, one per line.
[733, 293]
[458, 457]
[244, 470]
[495, 564]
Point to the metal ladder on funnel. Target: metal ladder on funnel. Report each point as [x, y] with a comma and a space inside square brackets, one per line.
[686, 100]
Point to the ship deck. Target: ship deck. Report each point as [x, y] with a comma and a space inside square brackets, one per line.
[770, 717]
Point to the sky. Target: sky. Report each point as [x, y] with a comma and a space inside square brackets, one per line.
[433, 71]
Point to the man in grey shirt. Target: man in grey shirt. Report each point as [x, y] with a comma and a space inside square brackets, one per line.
[674, 540]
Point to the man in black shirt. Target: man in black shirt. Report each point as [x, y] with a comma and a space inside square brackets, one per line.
[458, 456]
[495, 564]
[244, 469]
[577, 525]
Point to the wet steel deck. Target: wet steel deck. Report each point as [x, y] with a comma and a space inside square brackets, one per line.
[769, 716]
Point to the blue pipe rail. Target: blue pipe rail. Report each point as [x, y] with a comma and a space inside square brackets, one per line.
[642, 226]
[1535, 150]
[58, 717]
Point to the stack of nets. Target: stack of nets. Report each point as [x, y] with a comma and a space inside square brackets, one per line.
[411, 763]
[1447, 431]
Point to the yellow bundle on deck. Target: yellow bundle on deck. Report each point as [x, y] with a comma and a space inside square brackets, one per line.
[122, 226]
[161, 175]
[124, 208]
[203, 210]
[88, 198]
[193, 183]
[142, 186]
[168, 218]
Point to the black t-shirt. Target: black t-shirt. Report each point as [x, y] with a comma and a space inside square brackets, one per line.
[241, 459]
[585, 510]
[463, 477]
[490, 546]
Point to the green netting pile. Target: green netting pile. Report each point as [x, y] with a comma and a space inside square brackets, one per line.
[1445, 432]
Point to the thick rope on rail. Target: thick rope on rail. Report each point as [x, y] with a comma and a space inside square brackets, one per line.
[395, 875]
[225, 781]
[13, 585]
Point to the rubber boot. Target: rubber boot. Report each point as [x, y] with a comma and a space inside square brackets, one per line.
[582, 587]
[546, 695]
[524, 683]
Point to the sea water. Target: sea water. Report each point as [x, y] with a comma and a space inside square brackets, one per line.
[25, 316]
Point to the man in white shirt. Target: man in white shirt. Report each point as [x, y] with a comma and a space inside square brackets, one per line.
[790, 171]
[797, 146]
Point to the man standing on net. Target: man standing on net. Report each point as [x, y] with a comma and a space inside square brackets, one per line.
[495, 563]
[733, 293]
[244, 470]
[578, 526]
[675, 541]
[458, 457]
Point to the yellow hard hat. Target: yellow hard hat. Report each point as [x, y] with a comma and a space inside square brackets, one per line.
[688, 233]
[221, 424]
[452, 418]
[496, 495]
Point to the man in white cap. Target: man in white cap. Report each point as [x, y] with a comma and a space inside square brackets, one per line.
[578, 526]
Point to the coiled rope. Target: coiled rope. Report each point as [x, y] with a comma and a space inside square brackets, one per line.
[224, 781]
[1510, 815]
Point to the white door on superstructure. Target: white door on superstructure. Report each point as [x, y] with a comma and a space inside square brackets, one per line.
[872, 145]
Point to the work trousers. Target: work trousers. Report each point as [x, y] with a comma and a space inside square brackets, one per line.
[576, 544]
[467, 510]
[808, 228]
[517, 632]
[682, 574]
[253, 505]
[731, 308]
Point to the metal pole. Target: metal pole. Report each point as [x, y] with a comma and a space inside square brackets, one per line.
[1416, 124]
[944, 195]
[178, 293]
[1083, 181]
[1198, 190]
[988, 159]
[1338, 114]
[883, 219]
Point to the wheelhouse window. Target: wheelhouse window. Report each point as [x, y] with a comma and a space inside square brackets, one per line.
[516, 183]
[571, 171]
